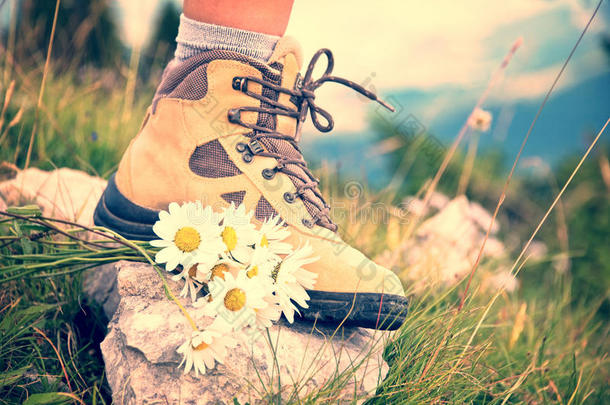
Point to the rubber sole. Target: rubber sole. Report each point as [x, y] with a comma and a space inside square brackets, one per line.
[368, 310]
[114, 211]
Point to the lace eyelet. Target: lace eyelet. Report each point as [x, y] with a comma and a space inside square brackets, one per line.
[240, 83]
[289, 197]
[307, 222]
[247, 157]
[268, 173]
[240, 147]
[234, 115]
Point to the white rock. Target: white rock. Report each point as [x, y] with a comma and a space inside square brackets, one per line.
[445, 246]
[146, 329]
[482, 217]
[537, 251]
[99, 285]
[501, 279]
[438, 200]
[63, 193]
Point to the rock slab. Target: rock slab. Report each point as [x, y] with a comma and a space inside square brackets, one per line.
[291, 361]
[63, 193]
[445, 246]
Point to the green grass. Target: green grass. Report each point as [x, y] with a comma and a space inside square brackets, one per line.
[538, 345]
[83, 123]
[544, 343]
[46, 335]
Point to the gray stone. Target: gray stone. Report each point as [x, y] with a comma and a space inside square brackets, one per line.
[99, 285]
[146, 329]
[445, 246]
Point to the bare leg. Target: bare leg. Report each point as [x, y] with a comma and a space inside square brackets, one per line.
[265, 16]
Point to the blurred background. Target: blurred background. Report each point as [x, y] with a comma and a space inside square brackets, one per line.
[79, 106]
[432, 65]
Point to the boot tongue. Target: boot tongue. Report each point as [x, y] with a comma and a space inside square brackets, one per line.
[287, 46]
[287, 58]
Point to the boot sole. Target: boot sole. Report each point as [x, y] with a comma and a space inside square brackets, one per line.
[368, 310]
[114, 211]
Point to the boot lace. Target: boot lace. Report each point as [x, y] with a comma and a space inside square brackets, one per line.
[303, 97]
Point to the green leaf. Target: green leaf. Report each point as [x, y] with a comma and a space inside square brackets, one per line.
[11, 377]
[31, 210]
[35, 309]
[48, 398]
[34, 227]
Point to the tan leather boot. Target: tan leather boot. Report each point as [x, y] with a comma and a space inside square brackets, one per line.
[225, 128]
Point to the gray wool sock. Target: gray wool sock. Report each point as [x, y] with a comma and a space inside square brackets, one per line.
[195, 37]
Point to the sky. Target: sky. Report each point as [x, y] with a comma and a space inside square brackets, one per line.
[428, 46]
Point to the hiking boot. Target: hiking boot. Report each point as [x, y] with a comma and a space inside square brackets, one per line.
[225, 128]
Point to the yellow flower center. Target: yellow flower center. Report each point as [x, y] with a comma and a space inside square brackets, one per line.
[264, 241]
[229, 237]
[235, 299]
[193, 271]
[201, 346]
[219, 270]
[187, 239]
[252, 272]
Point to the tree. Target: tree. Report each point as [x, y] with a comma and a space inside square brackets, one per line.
[162, 43]
[86, 32]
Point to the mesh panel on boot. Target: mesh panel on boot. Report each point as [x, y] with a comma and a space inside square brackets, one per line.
[264, 210]
[211, 160]
[236, 197]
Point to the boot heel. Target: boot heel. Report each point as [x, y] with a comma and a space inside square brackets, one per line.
[115, 212]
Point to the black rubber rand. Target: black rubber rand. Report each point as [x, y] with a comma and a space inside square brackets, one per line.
[114, 211]
[367, 310]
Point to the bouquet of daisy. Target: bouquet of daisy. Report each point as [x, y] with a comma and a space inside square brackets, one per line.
[241, 277]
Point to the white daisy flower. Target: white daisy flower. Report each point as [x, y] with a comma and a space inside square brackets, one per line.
[480, 120]
[204, 348]
[218, 269]
[238, 233]
[291, 280]
[234, 299]
[259, 270]
[261, 264]
[192, 281]
[269, 314]
[271, 235]
[189, 235]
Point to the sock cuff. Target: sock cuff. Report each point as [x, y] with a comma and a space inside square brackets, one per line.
[196, 36]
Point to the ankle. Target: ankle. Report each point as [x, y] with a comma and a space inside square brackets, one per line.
[195, 37]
